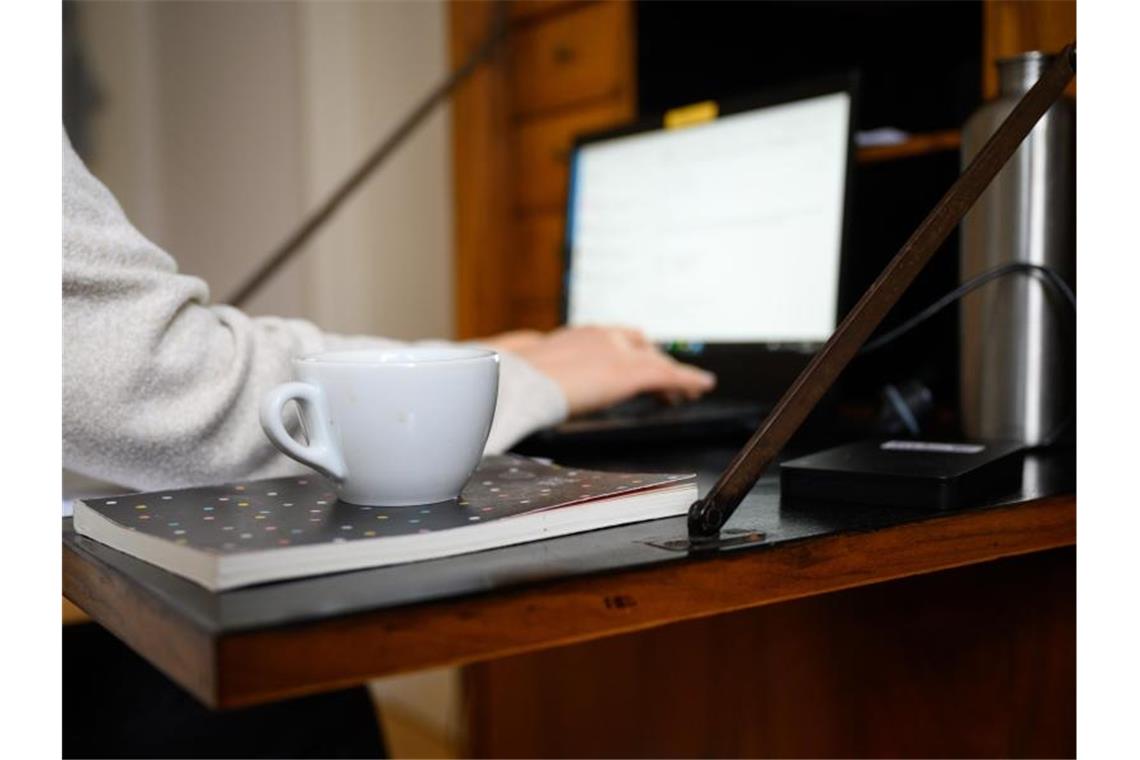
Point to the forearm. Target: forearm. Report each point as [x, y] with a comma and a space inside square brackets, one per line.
[162, 389]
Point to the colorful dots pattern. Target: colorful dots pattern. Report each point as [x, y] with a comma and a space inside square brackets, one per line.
[257, 516]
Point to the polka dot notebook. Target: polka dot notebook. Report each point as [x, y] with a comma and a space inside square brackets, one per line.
[245, 533]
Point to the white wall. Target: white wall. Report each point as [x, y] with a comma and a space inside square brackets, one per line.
[224, 122]
[364, 66]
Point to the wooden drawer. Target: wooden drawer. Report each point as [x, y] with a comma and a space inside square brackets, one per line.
[573, 57]
[542, 152]
[531, 9]
[535, 273]
[535, 315]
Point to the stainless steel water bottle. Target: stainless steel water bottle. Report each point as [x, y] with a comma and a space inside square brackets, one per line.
[1017, 365]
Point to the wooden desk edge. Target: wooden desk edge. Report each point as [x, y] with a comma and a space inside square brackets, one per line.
[183, 652]
[248, 668]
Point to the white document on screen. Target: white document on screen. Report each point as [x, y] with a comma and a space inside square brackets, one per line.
[729, 231]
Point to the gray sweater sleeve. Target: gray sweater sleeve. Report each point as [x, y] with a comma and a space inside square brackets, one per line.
[161, 388]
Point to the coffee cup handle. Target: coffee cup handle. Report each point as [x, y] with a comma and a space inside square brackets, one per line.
[321, 454]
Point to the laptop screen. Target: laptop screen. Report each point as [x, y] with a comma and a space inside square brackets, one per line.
[729, 231]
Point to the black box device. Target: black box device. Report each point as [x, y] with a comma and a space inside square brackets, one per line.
[903, 473]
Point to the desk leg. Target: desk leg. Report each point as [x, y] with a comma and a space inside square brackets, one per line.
[978, 661]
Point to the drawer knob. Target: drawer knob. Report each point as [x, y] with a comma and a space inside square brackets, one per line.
[564, 54]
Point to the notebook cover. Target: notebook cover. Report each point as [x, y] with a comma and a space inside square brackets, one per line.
[260, 515]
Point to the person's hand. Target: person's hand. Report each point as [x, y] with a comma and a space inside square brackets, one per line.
[597, 367]
[513, 341]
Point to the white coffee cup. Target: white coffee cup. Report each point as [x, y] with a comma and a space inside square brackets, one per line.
[390, 427]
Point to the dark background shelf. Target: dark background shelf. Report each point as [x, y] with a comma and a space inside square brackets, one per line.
[920, 61]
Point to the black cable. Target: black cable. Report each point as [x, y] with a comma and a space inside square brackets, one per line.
[1048, 276]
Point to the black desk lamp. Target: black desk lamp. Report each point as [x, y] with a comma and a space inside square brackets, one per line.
[708, 515]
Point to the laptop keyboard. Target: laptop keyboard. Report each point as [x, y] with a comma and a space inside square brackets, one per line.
[647, 413]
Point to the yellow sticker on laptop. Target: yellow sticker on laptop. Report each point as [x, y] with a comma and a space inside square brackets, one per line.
[687, 116]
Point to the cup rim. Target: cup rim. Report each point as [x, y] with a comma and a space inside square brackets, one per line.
[409, 356]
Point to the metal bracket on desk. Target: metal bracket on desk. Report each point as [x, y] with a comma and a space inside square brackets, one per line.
[728, 539]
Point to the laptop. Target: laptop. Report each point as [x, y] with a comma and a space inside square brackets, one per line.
[719, 230]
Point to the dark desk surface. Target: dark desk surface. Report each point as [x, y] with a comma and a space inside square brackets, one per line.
[266, 642]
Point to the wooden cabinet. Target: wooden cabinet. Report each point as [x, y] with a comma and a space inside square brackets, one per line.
[566, 68]
[1014, 26]
[582, 56]
[971, 662]
[539, 264]
[542, 151]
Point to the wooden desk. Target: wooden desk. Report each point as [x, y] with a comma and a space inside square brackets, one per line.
[269, 642]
